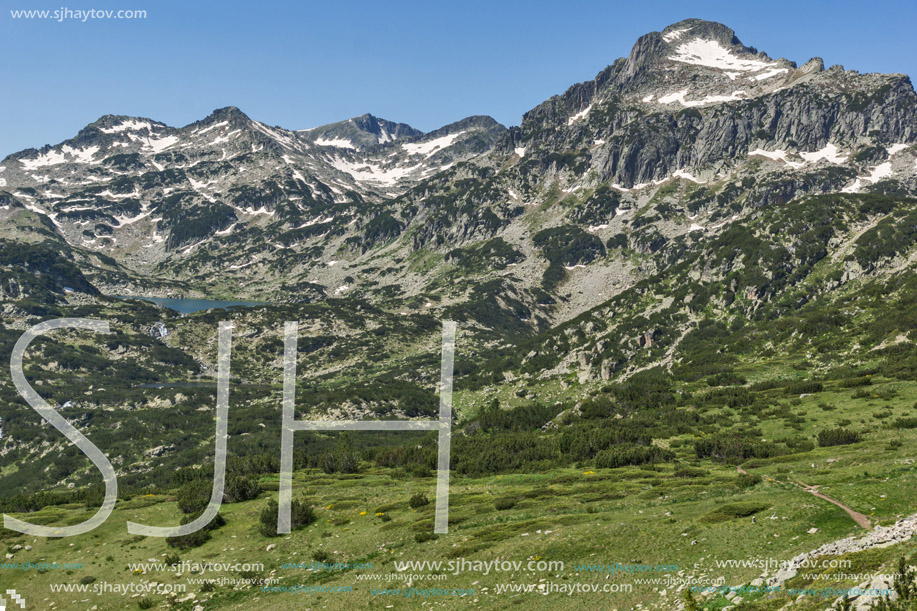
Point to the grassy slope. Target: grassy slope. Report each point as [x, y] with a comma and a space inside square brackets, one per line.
[594, 515]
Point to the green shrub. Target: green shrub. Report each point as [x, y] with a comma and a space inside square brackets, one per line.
[690, 472]
[837, 437]
[194, 496]
[856, 382]
[197, 538]
[321, 555]
[731, 511]
[624, 455]
[504, 503]
[301, 515]
[343, 460]
[726, 378]
[734, 449]
[240, 488]
[748, 480]
[904, 423]
[568, 245]
[805, 387]
[418, 500]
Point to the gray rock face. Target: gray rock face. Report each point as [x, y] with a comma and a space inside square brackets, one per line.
[159, 330]
[693, 96]
[159, 451]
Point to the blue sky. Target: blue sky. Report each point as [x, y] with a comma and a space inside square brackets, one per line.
[301, 64]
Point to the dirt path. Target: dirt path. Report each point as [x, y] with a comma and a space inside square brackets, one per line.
[857, 517]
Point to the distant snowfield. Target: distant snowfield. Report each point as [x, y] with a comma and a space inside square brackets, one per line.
[829, 153]
[214, 126]
[160, 144]
[880, 172]
[131, 125]
[50, 158]
[432, 146]
[712, 54]
[366, 172]
[768, 74]
[580, 115]
[674, 35]
[686, 175]
[679, 97]
[226, 231]
[130, 220]
[225, 138]
[338, 142]
[67, 154]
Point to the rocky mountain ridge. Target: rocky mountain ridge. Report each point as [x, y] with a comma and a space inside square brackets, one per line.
[598, 188]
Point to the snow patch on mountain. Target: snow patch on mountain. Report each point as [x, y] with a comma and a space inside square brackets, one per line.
[430, 147]
[67, 154]
[711, 54]
[580, 115]
[212, 127]
[129, 125]
[160, 144]
[770, 73]
[338, 142]
[830, 153]
[371, 173]
[674, 35]
[679, 97]
[880, 172]
[686, 175]
[50, 158]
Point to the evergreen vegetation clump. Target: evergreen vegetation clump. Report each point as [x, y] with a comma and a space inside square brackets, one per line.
[837, 437]
[301, 515]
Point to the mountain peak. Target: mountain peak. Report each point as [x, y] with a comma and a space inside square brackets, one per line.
[702, 43]
[227, 113]
[699, 28]
[384, 130]
[360, 132]
[695, 44]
